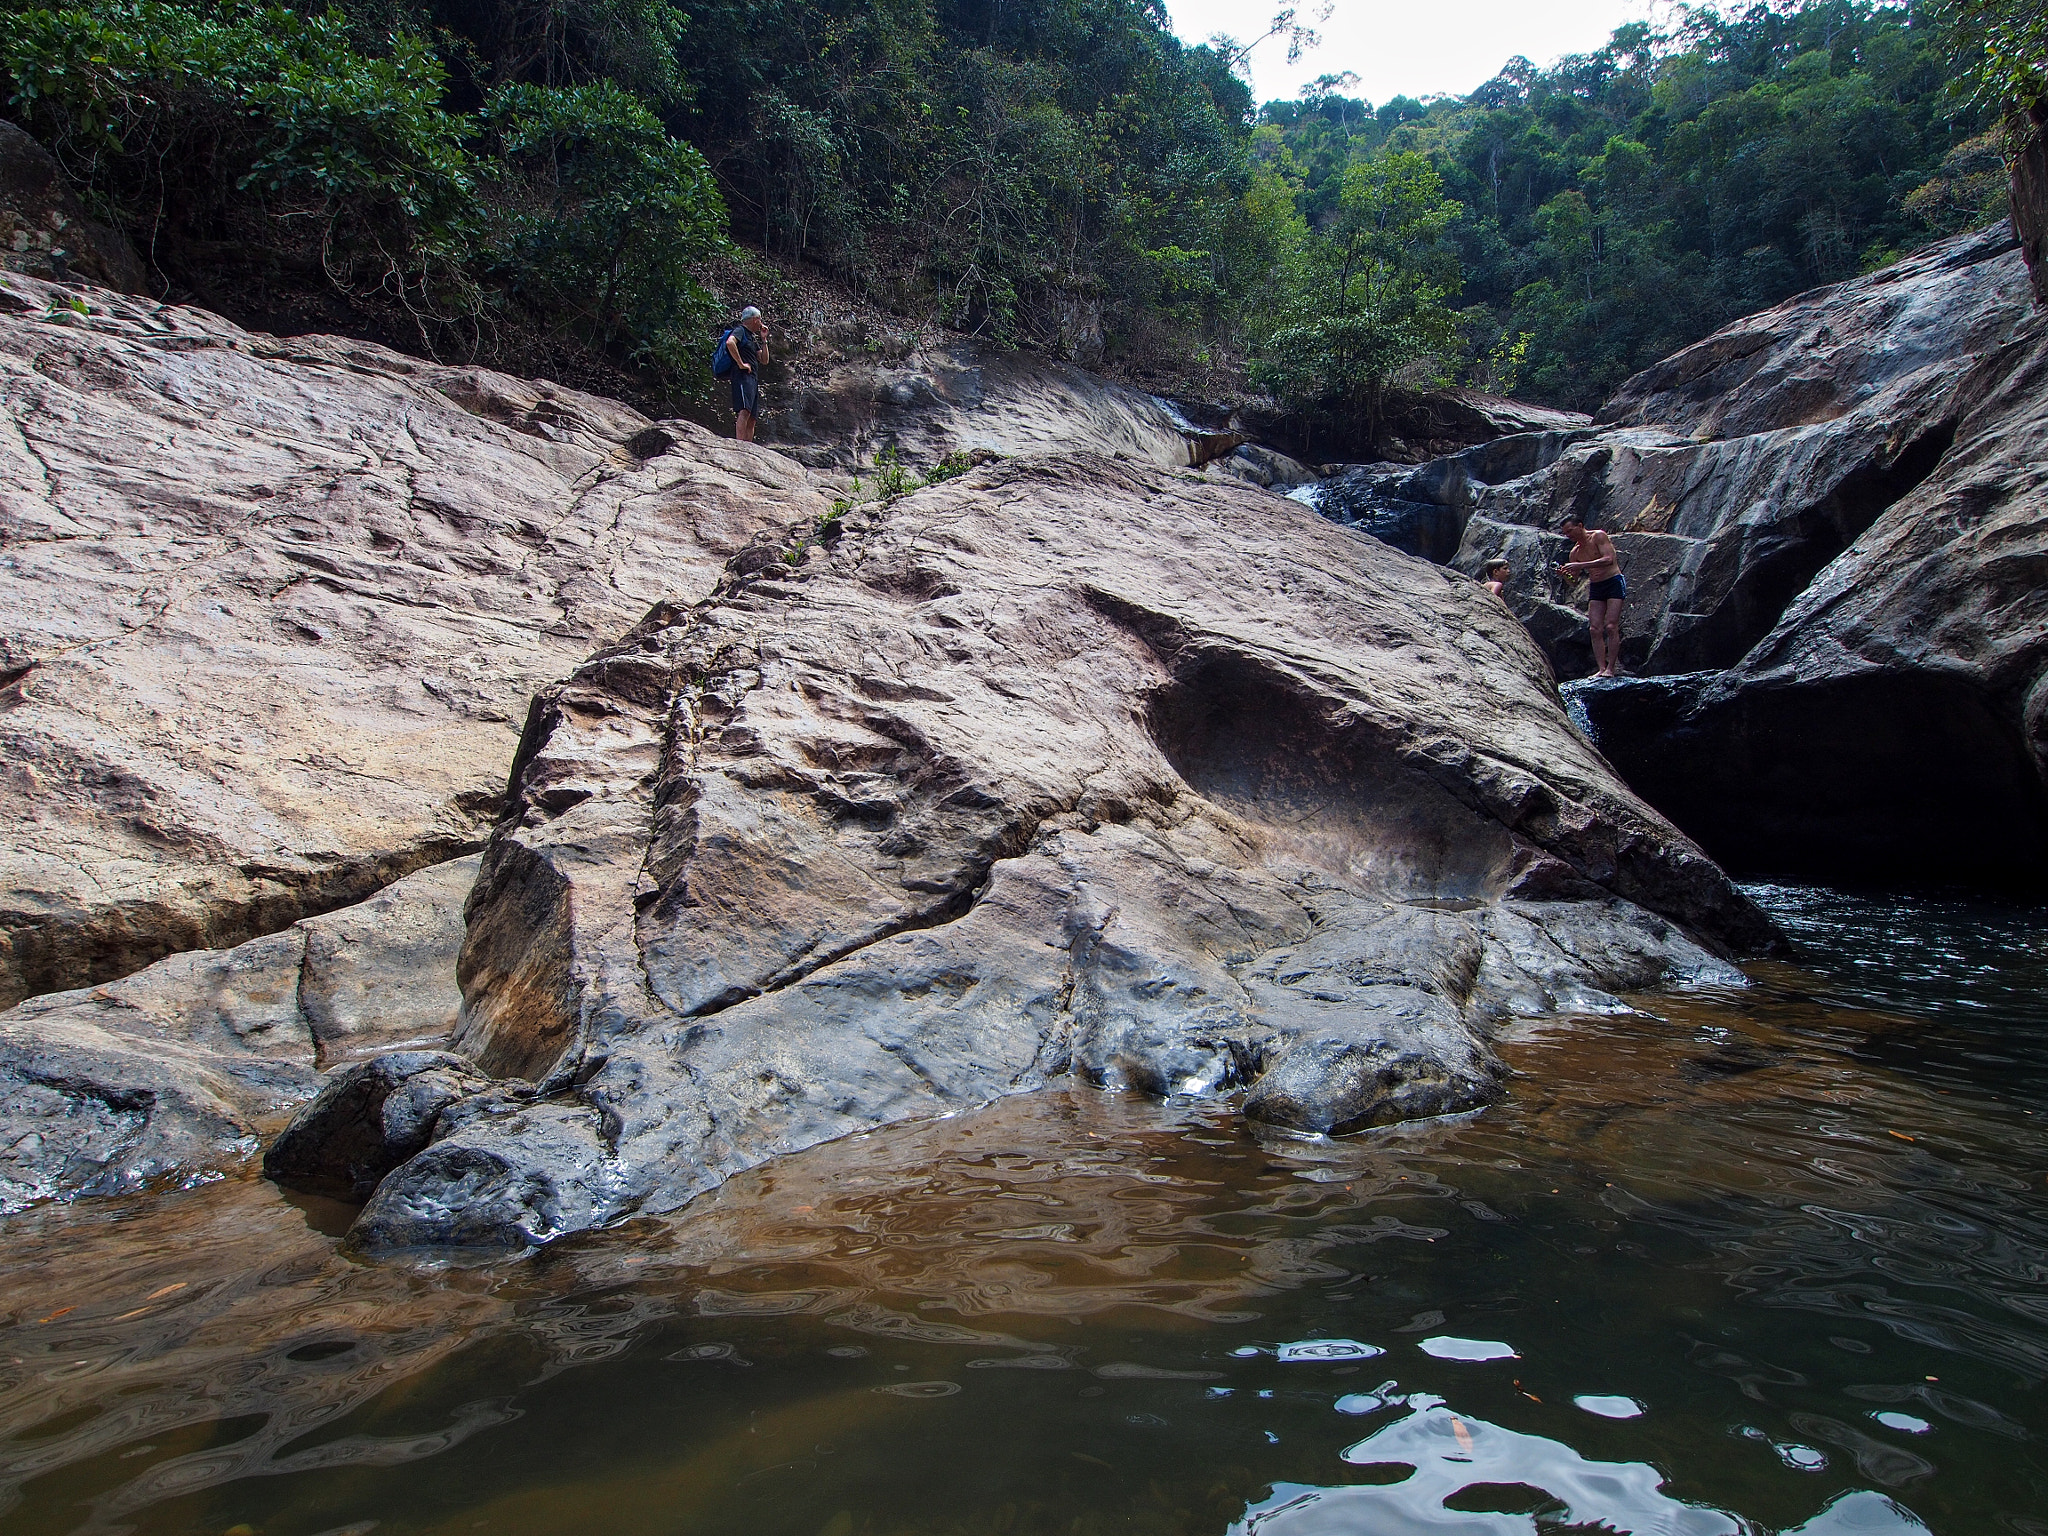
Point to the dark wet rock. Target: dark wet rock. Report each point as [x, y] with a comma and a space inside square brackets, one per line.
[1729, 475]
[45, 231]
[369, 1118]
[272, 612]
[2029, 161]
[172, 1074]
[1064, 766]
[1416, 426]
[1894, 724]
[1423, 509]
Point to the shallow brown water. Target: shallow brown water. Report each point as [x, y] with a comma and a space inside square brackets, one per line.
[1765, 1219]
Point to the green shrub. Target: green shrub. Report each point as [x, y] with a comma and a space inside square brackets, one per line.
[206, 108]
[608, 218]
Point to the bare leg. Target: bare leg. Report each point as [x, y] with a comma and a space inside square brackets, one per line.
[743, 426]
[1614, 637]
[1596, 627]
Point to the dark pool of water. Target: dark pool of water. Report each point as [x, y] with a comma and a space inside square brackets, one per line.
[1768, 1261]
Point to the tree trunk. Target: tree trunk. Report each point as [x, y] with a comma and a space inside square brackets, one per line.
[2027, 153]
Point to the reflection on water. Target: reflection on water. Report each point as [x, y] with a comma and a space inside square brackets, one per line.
[1767, 1262]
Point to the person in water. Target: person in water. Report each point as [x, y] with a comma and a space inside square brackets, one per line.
[1593, 557]
[747, 344]
[1497, 573]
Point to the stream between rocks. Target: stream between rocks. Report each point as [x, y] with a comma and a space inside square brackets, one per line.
[1766, 1261]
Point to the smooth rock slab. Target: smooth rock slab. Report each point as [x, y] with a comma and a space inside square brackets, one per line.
[1067, 765]
[271, 611]
[172, 1074]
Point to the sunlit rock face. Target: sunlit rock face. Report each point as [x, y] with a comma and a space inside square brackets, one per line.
[1065, 766]
[271, 611]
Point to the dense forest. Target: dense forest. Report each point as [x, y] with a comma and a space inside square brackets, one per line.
[1621, 204]
[534, 182]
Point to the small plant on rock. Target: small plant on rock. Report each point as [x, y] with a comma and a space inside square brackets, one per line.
[952, 465]
[893, 477]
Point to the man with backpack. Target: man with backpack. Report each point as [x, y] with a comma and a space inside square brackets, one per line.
[739, 351]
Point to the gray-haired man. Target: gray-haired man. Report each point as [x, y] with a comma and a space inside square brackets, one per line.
[747, 343]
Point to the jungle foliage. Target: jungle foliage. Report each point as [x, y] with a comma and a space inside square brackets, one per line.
[501, 177]
[1619, 205]
[1033, 169]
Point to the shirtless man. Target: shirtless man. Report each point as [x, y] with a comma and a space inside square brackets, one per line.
[1593, 557]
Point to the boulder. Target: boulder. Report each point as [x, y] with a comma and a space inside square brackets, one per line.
[1415, 427]
[173, 1073]
[1729, 475]
[45, 231]
[1268, 467]
[1064, 765]
[271, 611]
[369, 1118]
[1426, 424]
[1893, 725]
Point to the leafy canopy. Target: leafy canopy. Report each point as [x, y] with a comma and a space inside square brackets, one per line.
[1367, 295]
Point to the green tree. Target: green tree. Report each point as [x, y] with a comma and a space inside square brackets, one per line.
[610, 220]
[1367, 296]
[180, 113]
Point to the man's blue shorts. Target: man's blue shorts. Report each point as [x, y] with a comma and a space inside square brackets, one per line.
[1606, 591]
[746, 392]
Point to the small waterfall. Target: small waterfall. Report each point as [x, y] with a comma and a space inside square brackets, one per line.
[1574, 696]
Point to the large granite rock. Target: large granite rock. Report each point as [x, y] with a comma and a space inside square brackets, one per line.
[1820, 354]
[1730, 474]
[172, 1074]
[1894, 723]
[271, 611]
[955, 395]
[45, 231]
[1066, 765]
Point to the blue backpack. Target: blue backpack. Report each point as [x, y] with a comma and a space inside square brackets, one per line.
[721, 360]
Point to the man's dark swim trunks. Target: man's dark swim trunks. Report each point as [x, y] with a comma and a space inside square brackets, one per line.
[1612, 588]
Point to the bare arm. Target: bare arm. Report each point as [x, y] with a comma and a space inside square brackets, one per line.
[1604, 556]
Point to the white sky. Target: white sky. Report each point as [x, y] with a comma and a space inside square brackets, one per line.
[1408, 47]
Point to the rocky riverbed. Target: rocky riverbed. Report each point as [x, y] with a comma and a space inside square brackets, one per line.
[550, 813]
[1072, 765]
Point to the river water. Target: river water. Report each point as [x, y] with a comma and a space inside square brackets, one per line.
[1766, 1261]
